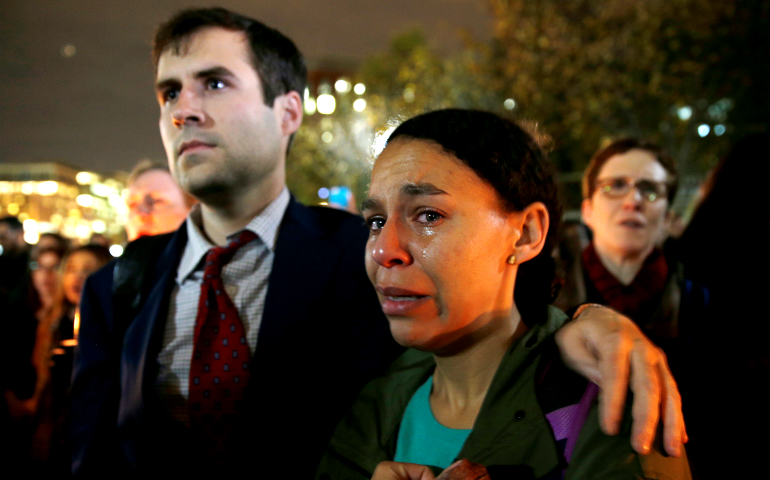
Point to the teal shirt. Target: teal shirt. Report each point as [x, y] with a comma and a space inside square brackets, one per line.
[421, 439]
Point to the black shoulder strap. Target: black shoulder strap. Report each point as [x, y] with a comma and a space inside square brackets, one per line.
[129, 278]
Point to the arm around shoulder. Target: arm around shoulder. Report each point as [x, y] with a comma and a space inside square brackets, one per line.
[600, 456]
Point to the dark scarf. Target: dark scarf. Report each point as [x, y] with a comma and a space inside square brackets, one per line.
[627, 299]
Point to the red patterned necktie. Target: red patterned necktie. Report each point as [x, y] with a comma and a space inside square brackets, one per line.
[219, 371]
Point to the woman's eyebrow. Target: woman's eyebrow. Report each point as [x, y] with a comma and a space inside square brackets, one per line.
[417, 189]
[369, 204]
[410, 190]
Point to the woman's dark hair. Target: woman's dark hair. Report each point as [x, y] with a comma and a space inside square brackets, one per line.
[508, 158]
[101, 253]
[277, 61]
[620, 147]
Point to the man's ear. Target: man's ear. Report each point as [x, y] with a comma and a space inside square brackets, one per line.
[290, 112]
[534, 224]
[586, 211]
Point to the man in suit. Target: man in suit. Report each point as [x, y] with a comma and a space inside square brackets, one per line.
[230, 95]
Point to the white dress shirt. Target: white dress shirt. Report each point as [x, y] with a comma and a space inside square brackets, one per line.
[245, 278]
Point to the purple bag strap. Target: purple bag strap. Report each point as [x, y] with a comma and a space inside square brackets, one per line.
[567, 422]
[583, 407]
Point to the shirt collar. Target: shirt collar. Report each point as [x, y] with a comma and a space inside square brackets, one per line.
[265, 225]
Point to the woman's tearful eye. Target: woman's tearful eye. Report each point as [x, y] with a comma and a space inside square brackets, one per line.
[375, 223]
[429, 217]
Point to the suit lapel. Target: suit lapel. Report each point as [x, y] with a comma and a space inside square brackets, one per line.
[144, 335]
[303, 264]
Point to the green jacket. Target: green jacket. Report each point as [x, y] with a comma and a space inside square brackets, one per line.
[511, 435]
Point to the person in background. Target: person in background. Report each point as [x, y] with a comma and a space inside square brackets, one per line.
[725, 248]
[155, 202]
[14, 261]
[52, 240]
[628, 188]
[53, 356]
[31, 298]
[459, 212]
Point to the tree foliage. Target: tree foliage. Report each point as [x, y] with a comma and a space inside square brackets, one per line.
[585, 71]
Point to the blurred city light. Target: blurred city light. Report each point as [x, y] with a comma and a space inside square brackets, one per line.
[68, 51]
[359, 89]
[409, 94]
[342, 85]
[684, 113]
[82, 231]
[359, 105]
[31, 234]
[101, 190]
[116, 250]
[509, 104]
[98, 226]
[323, 193]
[85, 178]
[326, 104]
[47, 188]
[324, 88]
[13, 208]
[340, 197]
[85, 200]
[719, 130]
[310, 106]
[703, 130]
[327, 137]
[27, 188]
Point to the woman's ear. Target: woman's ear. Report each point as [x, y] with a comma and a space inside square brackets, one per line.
[586, 211]
[534, 229]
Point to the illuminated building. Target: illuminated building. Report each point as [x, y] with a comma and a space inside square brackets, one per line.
[52, 197]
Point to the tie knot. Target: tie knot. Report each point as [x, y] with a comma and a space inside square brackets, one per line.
[218, 256]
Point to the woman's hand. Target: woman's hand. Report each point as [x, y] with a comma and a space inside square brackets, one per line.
[611, 351]
[402, 471]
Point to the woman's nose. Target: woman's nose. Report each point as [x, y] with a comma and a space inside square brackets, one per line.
[389, 249]
[633, 199]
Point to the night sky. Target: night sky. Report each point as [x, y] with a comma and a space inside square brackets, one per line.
[96, 109]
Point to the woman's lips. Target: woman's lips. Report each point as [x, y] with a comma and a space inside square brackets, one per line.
[400, 302]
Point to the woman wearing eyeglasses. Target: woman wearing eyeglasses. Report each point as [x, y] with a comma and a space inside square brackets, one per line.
[627, 192]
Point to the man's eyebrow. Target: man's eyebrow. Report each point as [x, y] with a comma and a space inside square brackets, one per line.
[217, 71]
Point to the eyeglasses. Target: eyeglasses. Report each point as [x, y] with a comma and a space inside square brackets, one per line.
[618, 187]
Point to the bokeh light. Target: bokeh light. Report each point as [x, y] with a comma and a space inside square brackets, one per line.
[326, 104]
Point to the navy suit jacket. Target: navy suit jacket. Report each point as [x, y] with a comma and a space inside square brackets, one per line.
[322, 337]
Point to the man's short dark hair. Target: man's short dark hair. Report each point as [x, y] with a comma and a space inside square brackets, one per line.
[277, 61]
[620, 147]
[12, 223]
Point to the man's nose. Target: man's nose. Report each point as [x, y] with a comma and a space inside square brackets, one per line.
[389, 249]
[188, 108]
[146, 206]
